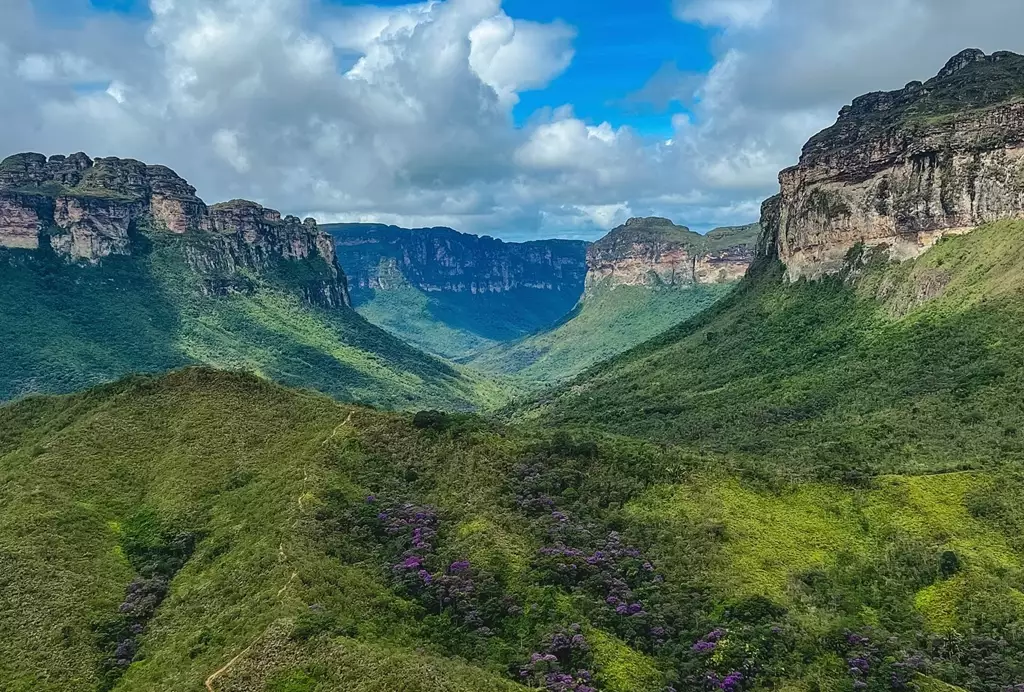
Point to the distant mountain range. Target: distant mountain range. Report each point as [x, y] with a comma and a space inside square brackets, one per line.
[542, 310]
[455, 294]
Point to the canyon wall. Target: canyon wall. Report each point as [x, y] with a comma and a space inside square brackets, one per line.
[901, 169]
[85, 210]
[654, 251]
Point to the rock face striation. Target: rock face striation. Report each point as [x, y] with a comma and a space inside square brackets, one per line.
[901, 169]
[439, 260]
[655, 252]
[85, 210]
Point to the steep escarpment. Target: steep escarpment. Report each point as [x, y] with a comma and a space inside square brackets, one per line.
[643, 278]
[85, 210]
[906, 167]
[444, 260]
[452, 293]
[655, 252]
[112, 266]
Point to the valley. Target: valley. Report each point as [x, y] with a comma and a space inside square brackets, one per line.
[243, 452]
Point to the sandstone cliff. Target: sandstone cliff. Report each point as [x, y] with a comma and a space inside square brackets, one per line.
[901, 169]
[443, 260]
[85, 210]
[655, 252]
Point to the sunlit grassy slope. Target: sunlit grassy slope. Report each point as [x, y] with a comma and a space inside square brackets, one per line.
[909, 367]
[282, 520]
[68, 326]
[607, 322]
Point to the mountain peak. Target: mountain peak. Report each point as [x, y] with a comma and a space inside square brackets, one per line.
[960, 61]
[648, 221]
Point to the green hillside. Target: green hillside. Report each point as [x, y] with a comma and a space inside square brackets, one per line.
[67, 326]
[459, 325]
[611, 319]
[607, 322]
[891, 367]
[209, 530]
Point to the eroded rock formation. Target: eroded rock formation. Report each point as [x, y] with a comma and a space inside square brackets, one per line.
[443, 260]
[655, 252]
[85, 210]
[901, 169]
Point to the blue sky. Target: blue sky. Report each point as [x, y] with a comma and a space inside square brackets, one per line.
[489, 116]
[620, 45]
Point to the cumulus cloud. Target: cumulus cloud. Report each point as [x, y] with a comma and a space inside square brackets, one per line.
[403, 113]
[723, 13]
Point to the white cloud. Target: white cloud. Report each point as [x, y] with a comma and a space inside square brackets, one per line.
[511, 56]
[404, 114]
[730, 14]
[63, 66]
[227, 146]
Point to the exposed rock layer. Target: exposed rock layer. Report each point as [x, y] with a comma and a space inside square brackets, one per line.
[903, 168]
[377, 257]
[86, 210]
[655, 252]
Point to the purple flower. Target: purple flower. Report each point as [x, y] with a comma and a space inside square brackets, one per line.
[411, 562]
[459, 566]
[731, 681]
[704, 647]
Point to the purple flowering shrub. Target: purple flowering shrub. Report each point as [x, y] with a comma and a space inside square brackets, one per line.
[749, 648]
[875, 665]
[564, 665]
[622, 586]
[156, 554]
[473, 599]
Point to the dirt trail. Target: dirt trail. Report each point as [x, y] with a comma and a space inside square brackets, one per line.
[283, 556]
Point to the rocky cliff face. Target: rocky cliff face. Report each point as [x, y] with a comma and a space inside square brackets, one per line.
[85, 210]
[656, 252]
[901, 169]
[440, 260]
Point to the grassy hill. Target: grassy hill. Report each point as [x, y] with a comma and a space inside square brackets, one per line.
[67, 326]
[892, 367]
[612, 318]
[210, 530]
[608, 321]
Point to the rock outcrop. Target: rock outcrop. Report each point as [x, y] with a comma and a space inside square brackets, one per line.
[655, 252]
[85, 210]
[901, 169]
[441, 260]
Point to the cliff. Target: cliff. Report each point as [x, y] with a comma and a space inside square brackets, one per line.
[655, 252]
[85, 210]
[444, 260]
[901, 169]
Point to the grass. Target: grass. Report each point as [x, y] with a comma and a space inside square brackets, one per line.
[877, 372]
[69, 326]
[286, 581]
[607, 322]
[458, 326]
